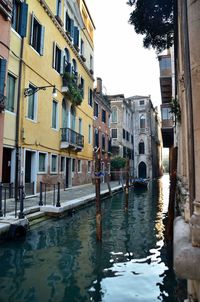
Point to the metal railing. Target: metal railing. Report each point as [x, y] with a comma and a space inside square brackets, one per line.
[7, 192]
[72, 137]
[44, 189]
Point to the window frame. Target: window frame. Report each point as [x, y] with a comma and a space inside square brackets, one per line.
[114, 121]
[46, 162]
[35, 101]
[112, 133]
[56, 115]
[40, 36]
[79, 167]
[96, 108]
[10, 75]
[56, 156]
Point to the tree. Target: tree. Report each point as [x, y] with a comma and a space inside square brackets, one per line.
[155, 20]
[117, 163]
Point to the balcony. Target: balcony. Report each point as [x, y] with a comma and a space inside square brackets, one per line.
[70, 139]
[71, 89]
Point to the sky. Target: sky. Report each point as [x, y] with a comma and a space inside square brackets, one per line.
[120, 60]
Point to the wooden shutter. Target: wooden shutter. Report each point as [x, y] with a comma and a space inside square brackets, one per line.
[23, 19]
[72, 28]
[76, 36]
[2, 75]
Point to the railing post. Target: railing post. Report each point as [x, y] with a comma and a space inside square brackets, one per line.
[54, 194]
[40, 202]
[21, 199]
[4, 210]
[1, 197]
[58, 196]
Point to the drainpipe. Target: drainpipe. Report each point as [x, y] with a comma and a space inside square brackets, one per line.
[189, 104]
[17, 159]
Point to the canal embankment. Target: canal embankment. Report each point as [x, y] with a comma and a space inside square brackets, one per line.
[70, 200]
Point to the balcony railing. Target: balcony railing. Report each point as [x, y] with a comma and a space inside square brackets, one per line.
[2, 103]
[71, 139]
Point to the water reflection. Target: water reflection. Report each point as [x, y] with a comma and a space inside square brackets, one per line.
[61, 260]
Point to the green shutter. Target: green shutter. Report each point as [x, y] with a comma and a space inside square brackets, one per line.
[23, 19]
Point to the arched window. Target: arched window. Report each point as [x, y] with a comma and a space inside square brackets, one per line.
[114, 115]
[142, 170]
[142, 122]
[65, 123]
[141, 147]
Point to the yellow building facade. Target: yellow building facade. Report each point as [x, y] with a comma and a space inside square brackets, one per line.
[55, 130]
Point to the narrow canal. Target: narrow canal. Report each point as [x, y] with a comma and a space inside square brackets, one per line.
[60, 259]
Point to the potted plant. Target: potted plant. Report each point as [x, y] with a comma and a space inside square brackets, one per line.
[74, 93]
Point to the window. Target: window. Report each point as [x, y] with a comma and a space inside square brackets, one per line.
[31, 114]
[114, 133]
[19, 17]
[103, 117]
[89, 167]
[103, 142]
[141, 147]
[90, 96]
[82, 84]
[141, 102]
[42, 166]
[127, 136]
[62, 164]
[74, 70]
[166, 113]
[54, 115]
[37, 36]
[73, 165]
[142, 122]
[82, 47]
[67, 64]
[91, 62]
[165, 63]
[69, 25]
[79, 166]
[76, 38]
[96, 138]
[124, 133]
[114, 115]
[57, 58]
[80, 125]
[96, 109]
[89, 134]
[54, 163]
[58, 8]
[10, 93]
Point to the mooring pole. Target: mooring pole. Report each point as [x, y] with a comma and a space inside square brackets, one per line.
[127, 184]
[98, 200]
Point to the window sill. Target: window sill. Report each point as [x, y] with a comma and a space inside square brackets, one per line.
[16, 33]
[29, 119]
[55, 129]
[42, 173]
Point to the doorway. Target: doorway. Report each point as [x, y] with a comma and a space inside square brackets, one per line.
[6, 169]
[30, 172]
[142, 170]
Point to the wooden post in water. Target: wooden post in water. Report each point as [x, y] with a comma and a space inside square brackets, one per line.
[98, 200]
[127, 184]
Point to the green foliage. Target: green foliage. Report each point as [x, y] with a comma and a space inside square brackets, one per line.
[154, 19]
[118, 163]
[74, 93]
[176, 109]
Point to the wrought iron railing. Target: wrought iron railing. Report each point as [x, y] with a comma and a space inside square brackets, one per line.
[72, 137]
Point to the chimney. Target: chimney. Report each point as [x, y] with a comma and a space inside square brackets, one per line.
[99, 86]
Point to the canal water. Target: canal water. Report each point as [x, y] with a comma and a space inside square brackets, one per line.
[60, 259]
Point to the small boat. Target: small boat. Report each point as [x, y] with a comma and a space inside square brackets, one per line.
[140, 183]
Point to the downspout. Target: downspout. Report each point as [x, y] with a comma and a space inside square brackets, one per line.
[189, 106]
[17, 136]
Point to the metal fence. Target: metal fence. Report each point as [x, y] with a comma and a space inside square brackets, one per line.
[8, 191]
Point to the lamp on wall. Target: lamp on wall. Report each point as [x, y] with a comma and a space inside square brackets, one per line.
[32, 90]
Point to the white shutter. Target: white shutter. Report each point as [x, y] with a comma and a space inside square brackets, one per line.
[42, 41]
[62, 62]
[54, 55]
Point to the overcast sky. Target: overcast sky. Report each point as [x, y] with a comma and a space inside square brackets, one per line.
[119, 57]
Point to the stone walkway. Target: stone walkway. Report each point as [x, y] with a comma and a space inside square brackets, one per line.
[66, 195]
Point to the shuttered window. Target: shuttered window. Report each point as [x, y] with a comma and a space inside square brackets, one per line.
[37, 35]
[19, 17]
